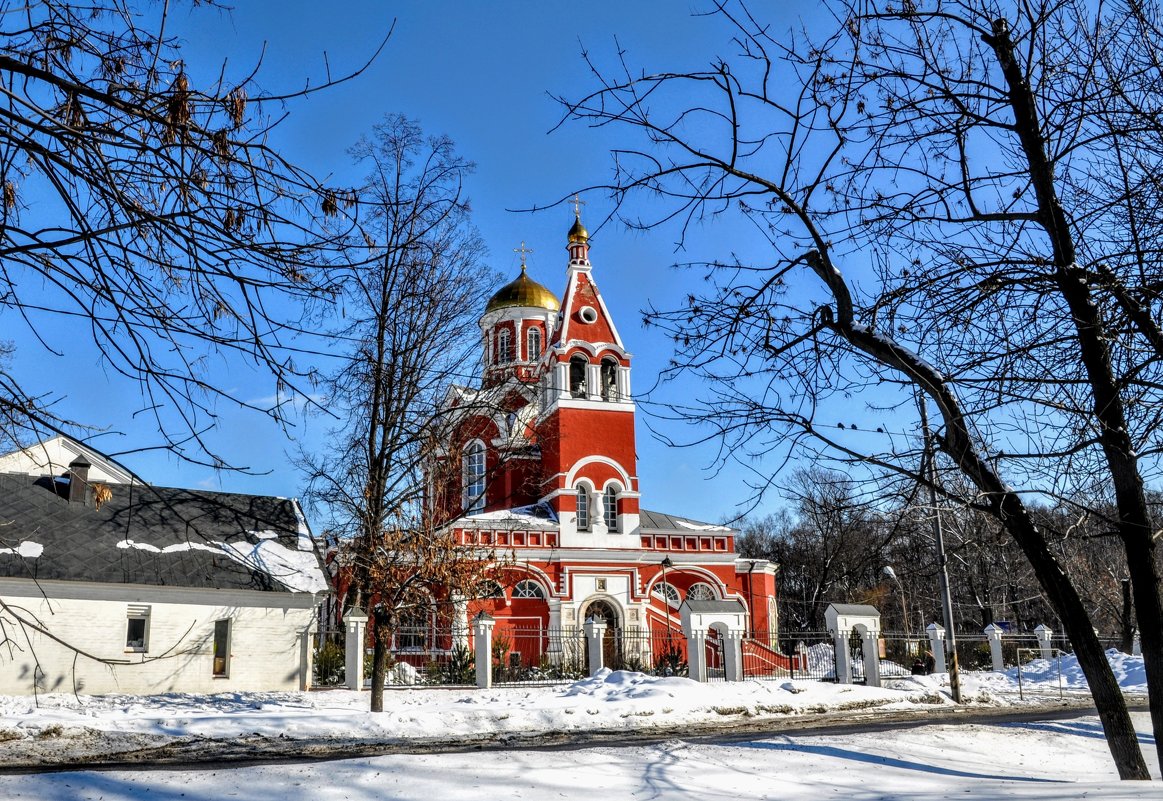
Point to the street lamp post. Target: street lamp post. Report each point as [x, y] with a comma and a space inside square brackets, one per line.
[888, 571]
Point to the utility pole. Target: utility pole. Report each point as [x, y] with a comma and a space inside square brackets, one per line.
[930, 472]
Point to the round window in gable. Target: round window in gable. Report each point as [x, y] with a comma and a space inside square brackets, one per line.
[587, 314]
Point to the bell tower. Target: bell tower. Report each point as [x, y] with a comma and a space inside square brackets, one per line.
[586, 426]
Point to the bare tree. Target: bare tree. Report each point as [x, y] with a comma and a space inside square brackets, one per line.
[146, 207]
[970, 182]
[409, 320]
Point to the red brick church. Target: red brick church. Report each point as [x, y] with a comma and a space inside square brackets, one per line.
[542, 458]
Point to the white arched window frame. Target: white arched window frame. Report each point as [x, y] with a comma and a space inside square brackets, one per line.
[473, 477]
[583, 507]
[610, 508]
[609, 379]
[702, 592]
[668, 593]
[504, 347]
[529, 589]
[577, 376]
[533, 344]
[416, 626]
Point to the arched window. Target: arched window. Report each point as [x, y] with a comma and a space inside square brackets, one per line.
[701, 592]
[534, 344]
[610, 507]
[583, 508]
[528, 589]
[667, 592]
[504, 347]
[609, 380]
[417, 621]
[577, 376]
[473, 467]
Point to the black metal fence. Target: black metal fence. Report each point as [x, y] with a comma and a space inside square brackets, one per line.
[330, 657]
[528, 656]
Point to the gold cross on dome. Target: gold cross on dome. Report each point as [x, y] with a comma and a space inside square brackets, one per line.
[524, 251]
[577, 204]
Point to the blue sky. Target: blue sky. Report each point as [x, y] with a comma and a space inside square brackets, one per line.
[482, 73]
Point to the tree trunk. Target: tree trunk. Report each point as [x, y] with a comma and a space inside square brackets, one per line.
[1126, 620]
[1008, 507]
[380, 651]
[1094, 354]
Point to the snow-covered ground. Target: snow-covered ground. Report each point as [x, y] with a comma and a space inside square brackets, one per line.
[1053, 760]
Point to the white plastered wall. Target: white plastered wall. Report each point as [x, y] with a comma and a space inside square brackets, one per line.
[266, 636]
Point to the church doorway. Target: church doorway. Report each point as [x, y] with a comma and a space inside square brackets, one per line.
[602, 611]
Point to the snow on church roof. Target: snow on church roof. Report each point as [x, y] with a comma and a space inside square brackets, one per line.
[660, 521]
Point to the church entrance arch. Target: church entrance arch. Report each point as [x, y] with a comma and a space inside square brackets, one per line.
[602, 610]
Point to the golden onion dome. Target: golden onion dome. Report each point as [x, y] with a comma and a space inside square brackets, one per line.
[578, 235]
[525, 293]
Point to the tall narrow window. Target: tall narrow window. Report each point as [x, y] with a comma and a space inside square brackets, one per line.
[583, 509]
[610, 502]
[577, 376]
[609, 380]
[222, 648]
[137, 629]
[473, 466]
[504, 347]
[534, 344]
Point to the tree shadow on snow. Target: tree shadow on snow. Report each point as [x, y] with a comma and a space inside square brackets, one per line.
[1077, 728]
[886, 761]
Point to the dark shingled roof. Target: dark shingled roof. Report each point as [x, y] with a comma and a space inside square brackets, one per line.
[81, 542]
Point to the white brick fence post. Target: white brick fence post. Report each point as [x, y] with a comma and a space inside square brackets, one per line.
[994, 632]
[482, 630]
[356, 622]
[1044, 634]
[307, 657]
[937, 647]
[595, 631]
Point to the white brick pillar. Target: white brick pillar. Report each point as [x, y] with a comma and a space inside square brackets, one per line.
[307, 657]
[595, 631]
[937, 647]
[354, 645]
[843, 657]
[459, 621]
[482, 630]
[696, 649]
[733, 655]
[870, 644]
[994, 633]
[1044, 634]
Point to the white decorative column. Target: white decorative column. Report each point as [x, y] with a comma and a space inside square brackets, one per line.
[733, 655]
[1044, 634]
[994, 632]
[937, 647]
[843, 658]
[354, 644]
[459, 621]
[696, 650]
[482, 629]
[307, 657]
[595, 631]
[870, 642]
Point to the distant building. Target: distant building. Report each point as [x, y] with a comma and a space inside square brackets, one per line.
[542, 462]
[111, 585]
